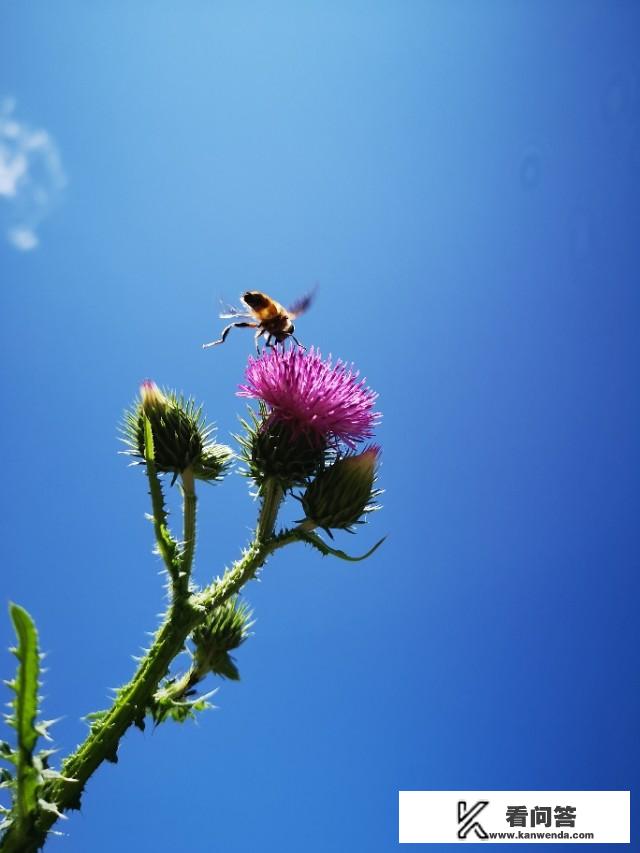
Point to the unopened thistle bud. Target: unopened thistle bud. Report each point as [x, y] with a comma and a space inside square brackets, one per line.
[274, 450]
[181, 436]
[343, 493]
[225, 629]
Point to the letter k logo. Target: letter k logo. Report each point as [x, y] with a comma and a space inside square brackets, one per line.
[467, 817]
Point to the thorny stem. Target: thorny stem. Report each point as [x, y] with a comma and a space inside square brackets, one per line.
[101, 744]
[184, 615]
[166, 545]
[189, 515]
[272, 495]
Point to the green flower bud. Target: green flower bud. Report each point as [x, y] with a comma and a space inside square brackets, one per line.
[342, 493]
[181, 436]
[226, 628]
[213, 462]
[276, 451]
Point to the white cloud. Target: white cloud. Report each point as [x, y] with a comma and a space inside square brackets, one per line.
[22, 238]
[13, 165]
[31, 178]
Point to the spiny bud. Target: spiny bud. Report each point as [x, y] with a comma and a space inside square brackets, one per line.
[342, 493]
[181, 436]
[225, 629]
[276, 450]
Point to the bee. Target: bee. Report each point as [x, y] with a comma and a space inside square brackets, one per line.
[268, 317]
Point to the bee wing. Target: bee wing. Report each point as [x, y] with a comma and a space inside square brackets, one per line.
[301, 305]
[230, 311]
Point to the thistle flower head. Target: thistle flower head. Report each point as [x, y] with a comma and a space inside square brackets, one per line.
[325, 401]
[181, 436]
[344, 492]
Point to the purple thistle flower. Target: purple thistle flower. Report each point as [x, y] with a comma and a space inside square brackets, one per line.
[313, 396]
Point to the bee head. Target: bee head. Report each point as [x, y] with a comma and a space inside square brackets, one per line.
[254, 299]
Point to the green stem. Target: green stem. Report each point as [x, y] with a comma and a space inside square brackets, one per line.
[167, 546]
[272, 496]
[102, 741]
[189, 516]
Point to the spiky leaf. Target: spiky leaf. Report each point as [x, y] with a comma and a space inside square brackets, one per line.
[25, 710]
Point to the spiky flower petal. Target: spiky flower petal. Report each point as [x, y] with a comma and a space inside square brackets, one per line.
[151, 398]
[326, 401]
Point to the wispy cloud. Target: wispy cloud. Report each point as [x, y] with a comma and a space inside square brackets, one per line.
[31, 178]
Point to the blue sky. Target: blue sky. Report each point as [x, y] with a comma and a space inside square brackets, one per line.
[461, 180]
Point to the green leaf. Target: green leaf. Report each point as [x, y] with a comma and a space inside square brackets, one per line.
[314, 540]
[25, 707]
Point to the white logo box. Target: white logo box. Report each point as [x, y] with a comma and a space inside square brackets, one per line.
[467, 817]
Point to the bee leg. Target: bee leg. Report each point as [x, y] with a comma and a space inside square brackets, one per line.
[257, 337]
[268, 342]
[298, 342]
[226, 331]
